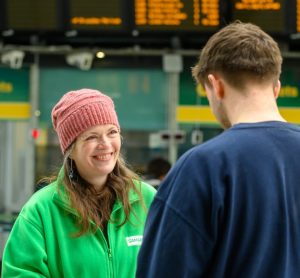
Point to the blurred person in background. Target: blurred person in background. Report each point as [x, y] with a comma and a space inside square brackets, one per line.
[157, 169]
[90, 220]
[230, 206]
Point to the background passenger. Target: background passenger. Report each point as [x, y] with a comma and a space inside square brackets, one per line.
[157, 169]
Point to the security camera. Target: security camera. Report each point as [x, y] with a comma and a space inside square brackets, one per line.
[82, 60]
[13, 58]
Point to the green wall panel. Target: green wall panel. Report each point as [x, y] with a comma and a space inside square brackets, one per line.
[140, 96]
[14, 85]
[191, 94]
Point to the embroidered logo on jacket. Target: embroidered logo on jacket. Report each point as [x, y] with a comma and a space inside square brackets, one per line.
[134, 240]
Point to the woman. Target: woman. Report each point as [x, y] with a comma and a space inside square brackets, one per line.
[88, 222]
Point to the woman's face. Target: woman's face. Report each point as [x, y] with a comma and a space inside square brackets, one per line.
[96, 152]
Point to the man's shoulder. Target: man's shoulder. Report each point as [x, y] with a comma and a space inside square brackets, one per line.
[213, 146]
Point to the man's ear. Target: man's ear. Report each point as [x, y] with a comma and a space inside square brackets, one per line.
[277, 89]
[217, 84]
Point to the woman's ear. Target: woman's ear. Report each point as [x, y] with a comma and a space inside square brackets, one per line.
[71, 150]
[71, 154]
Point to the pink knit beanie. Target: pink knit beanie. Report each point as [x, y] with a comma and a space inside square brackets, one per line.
[79, 110]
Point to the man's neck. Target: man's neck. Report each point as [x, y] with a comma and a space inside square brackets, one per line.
[258, 106]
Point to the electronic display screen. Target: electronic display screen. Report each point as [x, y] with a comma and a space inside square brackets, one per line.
[96, 15]
[148, 16]
[270, 15]
[177, 15]
[298, 16]
[27, 15]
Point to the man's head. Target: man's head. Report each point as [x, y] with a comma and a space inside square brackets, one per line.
[240, 53]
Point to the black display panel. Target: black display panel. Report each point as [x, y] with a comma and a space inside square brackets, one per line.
[147, 16]
[270, 15]
[31, 15]
[96, 15]
[178, 15]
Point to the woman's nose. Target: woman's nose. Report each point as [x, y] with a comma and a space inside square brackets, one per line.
[102, 141]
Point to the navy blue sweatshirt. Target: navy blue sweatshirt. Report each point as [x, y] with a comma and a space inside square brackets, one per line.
[229, 208]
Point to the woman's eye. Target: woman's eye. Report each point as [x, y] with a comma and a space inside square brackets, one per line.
[113, 131]
[91, 138]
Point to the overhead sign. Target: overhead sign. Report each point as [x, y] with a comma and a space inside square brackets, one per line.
[276, 16]
[194, 107]
[271, 15]
[96, 15]
[177, 15]
[32, 15]
[14, 94]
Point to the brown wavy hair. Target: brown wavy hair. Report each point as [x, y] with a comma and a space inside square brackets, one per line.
[95, 206]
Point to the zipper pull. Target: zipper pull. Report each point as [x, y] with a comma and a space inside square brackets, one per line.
[109, 253]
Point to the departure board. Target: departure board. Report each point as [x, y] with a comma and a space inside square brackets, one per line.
[298, 16]
[96, 14]
[270, 15]
[148, 17]
[179, 15]
[31, 15]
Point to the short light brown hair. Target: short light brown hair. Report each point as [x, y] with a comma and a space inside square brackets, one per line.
[240, 52]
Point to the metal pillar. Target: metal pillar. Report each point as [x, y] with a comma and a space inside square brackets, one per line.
[8, 167]
[172, 64]
[35, 113]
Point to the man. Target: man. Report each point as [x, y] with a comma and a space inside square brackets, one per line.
[231, 206]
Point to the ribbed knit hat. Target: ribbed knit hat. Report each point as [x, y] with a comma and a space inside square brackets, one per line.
[79, 110]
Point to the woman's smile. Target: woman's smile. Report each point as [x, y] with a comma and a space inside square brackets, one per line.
[104, 157]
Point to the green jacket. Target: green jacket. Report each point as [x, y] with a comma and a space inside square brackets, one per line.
[40, 244]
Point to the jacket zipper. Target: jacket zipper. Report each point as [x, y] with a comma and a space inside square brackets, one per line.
[109, 253]
[110, 262]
